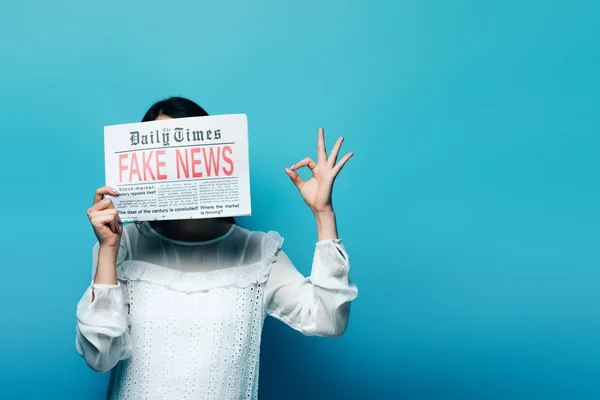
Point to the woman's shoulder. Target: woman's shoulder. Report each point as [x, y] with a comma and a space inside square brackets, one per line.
[259, 236]
[260, 244]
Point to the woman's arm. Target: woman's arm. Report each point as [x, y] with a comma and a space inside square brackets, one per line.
[326, 226]
[102, 332]
[319, 304]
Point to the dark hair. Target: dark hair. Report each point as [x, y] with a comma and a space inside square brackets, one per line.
[177, 107]
[174, 107]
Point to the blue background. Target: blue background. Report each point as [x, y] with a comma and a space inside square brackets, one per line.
[470, 209]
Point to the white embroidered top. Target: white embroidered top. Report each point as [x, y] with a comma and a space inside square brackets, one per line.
[185, 319]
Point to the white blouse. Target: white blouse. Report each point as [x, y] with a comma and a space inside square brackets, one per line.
[185, 319]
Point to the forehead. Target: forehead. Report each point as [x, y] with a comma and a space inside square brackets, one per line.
[162, 116]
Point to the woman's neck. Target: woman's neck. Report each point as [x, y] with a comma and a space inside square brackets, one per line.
[192, 230]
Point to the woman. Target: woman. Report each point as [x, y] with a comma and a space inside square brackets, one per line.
[176, 308]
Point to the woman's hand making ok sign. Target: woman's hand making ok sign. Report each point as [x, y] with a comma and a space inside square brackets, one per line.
[317, 191]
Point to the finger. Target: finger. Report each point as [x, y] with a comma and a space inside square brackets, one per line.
[307, 162]
[105, 217]
[294, 177]
[100, 192]
[118, 226]
[114, 224]
[112, 212]
[104, 204]
[321, 152]
[334, 152]
[338, 167]
[108, 218]
[100, 220]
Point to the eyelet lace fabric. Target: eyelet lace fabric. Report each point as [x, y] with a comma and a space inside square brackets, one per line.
[185, 321]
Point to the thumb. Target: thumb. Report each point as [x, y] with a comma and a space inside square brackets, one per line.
[294, 177]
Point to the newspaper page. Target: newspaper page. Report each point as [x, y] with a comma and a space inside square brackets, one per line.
[179, 168]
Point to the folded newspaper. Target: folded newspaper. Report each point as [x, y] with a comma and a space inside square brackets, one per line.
[179, 168]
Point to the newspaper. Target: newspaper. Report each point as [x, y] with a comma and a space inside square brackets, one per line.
[179, 168]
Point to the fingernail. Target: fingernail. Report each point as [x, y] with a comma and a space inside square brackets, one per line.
[292, 167]
[114, 191]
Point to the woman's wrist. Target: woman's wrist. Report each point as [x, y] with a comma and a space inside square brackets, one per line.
[106, 271]
[326, 225]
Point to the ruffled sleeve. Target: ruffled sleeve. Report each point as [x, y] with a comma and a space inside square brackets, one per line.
[102, 332]
[316, 305]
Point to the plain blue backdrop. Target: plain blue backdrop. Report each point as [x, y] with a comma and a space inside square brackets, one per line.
[470, 210]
